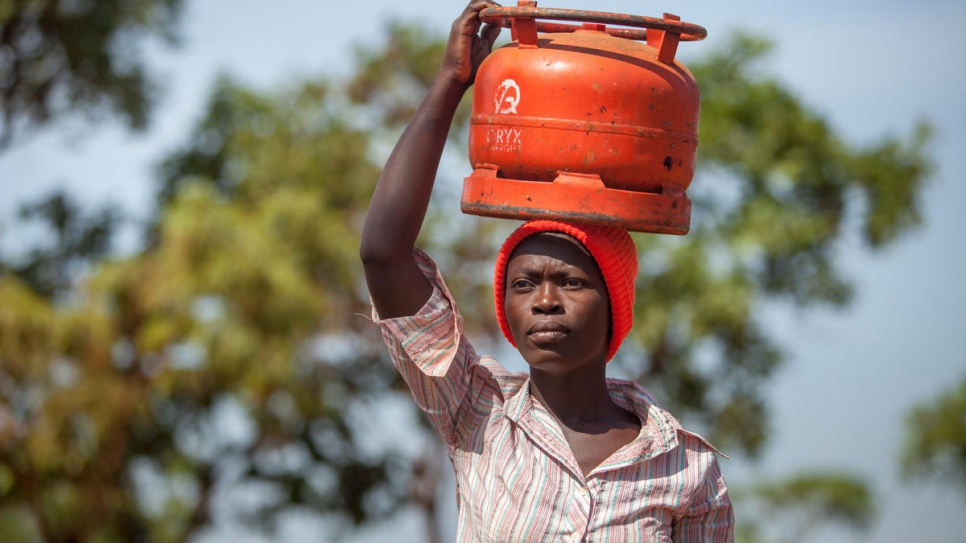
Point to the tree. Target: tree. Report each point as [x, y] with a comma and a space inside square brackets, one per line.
[60, 57]
[935, 446]
[804, 504]
[78, 239]
[247, 303]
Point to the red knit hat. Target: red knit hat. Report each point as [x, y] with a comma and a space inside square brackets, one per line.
[616, 256]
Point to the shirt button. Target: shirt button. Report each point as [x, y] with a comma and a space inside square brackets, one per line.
[582, 490]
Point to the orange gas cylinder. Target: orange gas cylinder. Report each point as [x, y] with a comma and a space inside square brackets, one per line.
[584, 123]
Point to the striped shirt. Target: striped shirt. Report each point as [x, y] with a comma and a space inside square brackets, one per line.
[517, 477]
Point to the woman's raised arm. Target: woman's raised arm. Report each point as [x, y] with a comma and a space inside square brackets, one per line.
[399, 203]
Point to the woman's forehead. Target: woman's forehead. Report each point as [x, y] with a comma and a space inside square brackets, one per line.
[556, 245]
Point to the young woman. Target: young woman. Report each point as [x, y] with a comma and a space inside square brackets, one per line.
[562, 453]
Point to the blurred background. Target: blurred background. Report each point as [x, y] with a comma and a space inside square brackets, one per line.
[185, 352]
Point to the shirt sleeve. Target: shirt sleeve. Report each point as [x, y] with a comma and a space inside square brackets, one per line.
[708, 517]
[436, 361]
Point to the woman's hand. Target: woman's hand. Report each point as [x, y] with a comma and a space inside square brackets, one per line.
[467, 46]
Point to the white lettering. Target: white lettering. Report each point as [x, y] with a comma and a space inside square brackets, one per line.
[505, 139]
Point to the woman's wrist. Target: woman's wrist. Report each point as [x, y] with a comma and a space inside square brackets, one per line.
[448, 83]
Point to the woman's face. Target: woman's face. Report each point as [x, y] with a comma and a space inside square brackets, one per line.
[556, 304]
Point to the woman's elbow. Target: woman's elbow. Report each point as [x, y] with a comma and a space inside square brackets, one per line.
[380, 255]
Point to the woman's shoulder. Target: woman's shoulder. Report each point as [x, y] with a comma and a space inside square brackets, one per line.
[509, 382]
[632, 396]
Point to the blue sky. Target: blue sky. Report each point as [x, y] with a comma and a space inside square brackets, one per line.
[873, 68]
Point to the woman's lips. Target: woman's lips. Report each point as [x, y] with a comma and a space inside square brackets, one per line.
[547, 332]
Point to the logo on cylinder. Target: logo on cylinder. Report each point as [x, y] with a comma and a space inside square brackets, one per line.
[507, 97]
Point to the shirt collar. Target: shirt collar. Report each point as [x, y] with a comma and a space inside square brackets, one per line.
[658, 428]
[519, 403]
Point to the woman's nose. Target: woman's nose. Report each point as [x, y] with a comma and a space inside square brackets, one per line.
[546, 300]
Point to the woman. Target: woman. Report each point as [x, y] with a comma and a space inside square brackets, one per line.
[562, 453]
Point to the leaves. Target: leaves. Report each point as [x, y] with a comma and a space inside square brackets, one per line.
[59, 58]
[843, 499]
[799, 508]
[248, 296]
[77, 241]
[935, 445]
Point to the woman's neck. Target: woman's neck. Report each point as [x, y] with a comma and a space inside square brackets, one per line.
[579, 401]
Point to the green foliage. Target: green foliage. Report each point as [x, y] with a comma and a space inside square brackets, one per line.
[395, 77]
[248, 301]
[392, 80]
[78, 239]
[795, 509]
[838, 498]
[935, 446]
[59, 57]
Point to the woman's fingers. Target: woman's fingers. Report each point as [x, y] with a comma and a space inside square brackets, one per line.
[468, 45]
[490, 33]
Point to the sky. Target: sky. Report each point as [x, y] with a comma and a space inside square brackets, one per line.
[873, 68]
